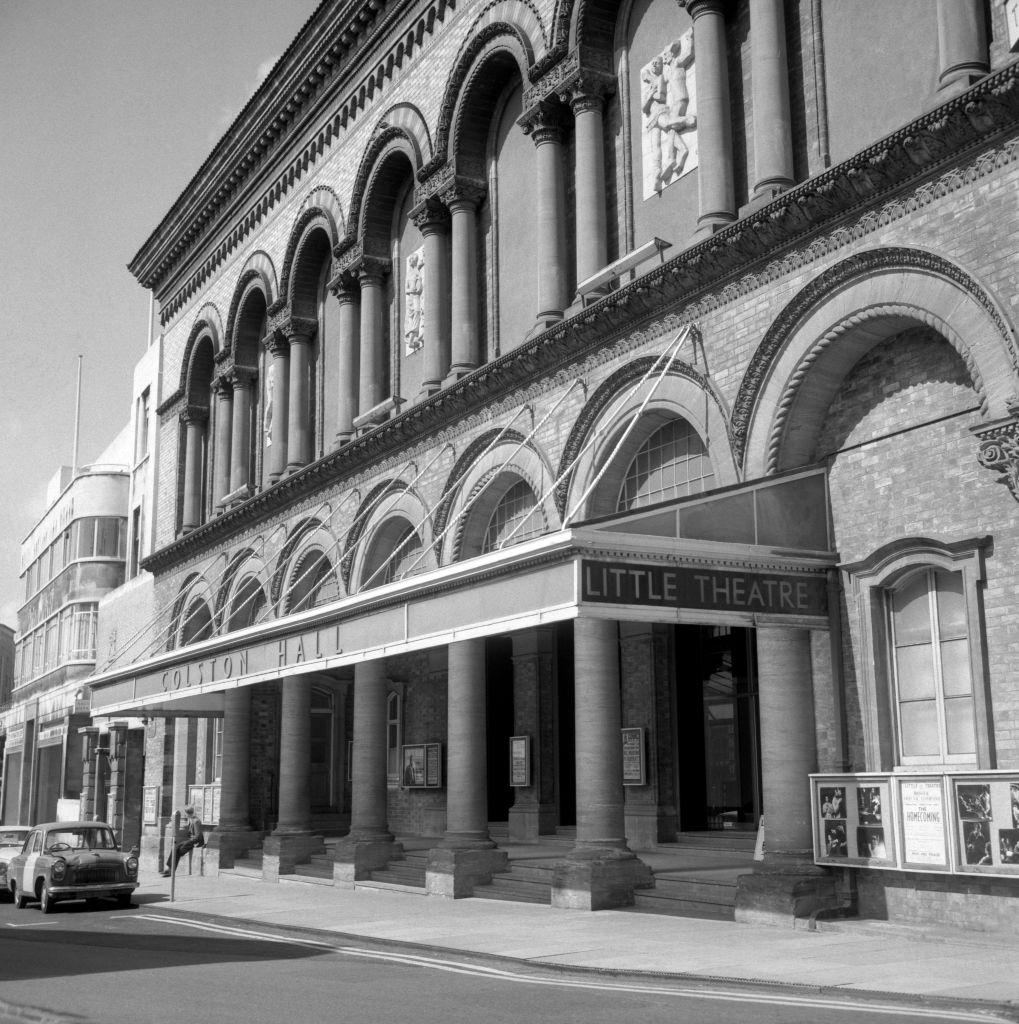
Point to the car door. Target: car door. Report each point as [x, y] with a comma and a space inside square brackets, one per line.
[33, 850]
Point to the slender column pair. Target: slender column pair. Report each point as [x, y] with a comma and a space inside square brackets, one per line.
[194, 421]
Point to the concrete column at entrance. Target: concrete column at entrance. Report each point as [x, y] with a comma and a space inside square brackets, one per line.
[714, 127]
[534, 807]
[194, 421]
[773, 147]
[224, 432]
[786, 884]
[545, 128]
[962, 47]
[299, 427]
[601, 871]
[349, 354]
[240, 435]
[185, 749]
[292, 840]
[234, 835]
[467, 856]
[369, 845]
[279, 393]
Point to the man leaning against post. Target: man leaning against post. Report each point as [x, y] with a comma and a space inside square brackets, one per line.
[192, 837]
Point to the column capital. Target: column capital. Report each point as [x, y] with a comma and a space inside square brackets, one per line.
[194, 414]
[289, 328]
[544, 123]
[695, 8]
[372, 268]
[430, 217]
[241, 377]
[462, 192]
[343, 286]
[999, 451]
[587, 89]
[223, 385]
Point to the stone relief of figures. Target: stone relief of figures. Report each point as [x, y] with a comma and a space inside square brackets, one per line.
[668, 115]
[414, 302]
[270, 378]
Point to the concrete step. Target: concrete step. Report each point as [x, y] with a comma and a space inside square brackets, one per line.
[399, 874]
[674, 905]
[370, 884]
[523, 887]
[707, 890]
[734, 840]
[496, 892]
[322, 860]
[528, 871]
[318, 872]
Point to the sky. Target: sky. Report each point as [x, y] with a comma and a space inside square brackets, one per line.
[107, 110]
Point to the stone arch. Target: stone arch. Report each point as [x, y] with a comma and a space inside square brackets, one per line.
[683, 393]
[821, 334]
[236, 604]
[314, 235]
[497, 46]
[204, 344]
[379, 171]
[309, 531]
[193, 617]
[475, 493]
[255, 292]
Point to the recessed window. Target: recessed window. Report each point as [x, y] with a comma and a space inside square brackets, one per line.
[404, 561]
[514, 519]
[671, 463]
[931, 664]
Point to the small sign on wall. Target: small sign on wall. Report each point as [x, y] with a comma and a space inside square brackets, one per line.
[633, 757]
[520, 760]
[422, 765]
[150, 805]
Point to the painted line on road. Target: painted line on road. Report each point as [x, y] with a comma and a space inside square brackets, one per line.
[500, 974]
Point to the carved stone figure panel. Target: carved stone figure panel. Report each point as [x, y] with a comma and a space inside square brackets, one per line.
[414, 302]
[668, 106]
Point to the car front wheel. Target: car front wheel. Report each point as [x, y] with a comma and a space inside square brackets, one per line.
[46, 901]
[20, 899]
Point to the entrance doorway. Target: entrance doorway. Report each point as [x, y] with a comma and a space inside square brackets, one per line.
[717, 728]
[321, 749]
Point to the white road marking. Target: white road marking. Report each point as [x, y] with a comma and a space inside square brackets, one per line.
[498, 974]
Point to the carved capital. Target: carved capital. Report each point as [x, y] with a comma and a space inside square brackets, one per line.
[544, 123]
[241, 377]
[999, 451]
[194, 414]
[343, 286]
[695, 8]
[430, 217]
[287, 328]
[372, 268]
[223, 386]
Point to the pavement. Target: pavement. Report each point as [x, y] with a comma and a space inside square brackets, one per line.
[939, 967]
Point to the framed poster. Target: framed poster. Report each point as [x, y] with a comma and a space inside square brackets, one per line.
[196, 797]
[985, 818]
[633, 756]
[520, 760]
[924, 839]
[150, 805]
[854, 821]
[421, 765]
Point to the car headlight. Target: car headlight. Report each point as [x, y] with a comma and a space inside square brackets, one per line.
[132, 866]
[58, 871]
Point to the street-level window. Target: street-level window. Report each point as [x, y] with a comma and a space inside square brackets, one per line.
[393, 729]
[931, 664]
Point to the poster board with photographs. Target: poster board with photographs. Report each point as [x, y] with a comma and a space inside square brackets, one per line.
[520, 760]
[985, 809]
[634, 758]
[421, 765]
[854, 822]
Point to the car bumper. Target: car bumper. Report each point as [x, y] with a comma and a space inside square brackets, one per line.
[82, 892]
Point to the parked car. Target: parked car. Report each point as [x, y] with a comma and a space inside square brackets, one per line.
[12, 839]
[72, 860]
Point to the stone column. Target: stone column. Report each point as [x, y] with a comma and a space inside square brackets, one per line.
[234, 836]
[292, 841]
[962, 47]
[773, 147]
[224, 432]
[534, 808]
[544, 125]
[279, 350]
[714, 130]
[601, 871]
[587, 103]
[299, 425]
[786, 884]
[467, 856]
[240, 440]
[462, 200]
[369, 845]
[349, 356]
[89, 741]
[374, 375]
[432, 220]
[194, 421]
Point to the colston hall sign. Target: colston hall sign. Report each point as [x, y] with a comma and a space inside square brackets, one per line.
[705, 589]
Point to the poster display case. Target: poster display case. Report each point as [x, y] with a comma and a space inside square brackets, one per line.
[634, 758]
[520, 761]
[946, 823]
[421, 765]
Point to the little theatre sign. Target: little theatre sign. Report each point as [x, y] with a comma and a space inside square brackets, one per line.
[702, 588]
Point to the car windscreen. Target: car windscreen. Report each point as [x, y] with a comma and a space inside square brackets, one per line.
[80, 839]
[12, 837]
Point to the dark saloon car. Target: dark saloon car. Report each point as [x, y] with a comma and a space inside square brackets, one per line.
[72, 860]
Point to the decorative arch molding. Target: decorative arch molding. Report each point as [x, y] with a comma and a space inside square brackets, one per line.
[207, 325]
[492, 472]
[244, 565]
[299, 537]
[894, 285]
[681, 391]
[312, 219]
[257, 274]
[360, 523]
[487, 37]
[386, 140]
[196, 589]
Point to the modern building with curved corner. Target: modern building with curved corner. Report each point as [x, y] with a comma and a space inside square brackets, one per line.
[592, 426]
[72, 556]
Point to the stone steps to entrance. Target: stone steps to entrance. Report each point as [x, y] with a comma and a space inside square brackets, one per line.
[734, 840]
[407, 872]
[683, 897]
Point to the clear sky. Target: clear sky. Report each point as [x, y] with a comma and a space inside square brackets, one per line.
[107, 110]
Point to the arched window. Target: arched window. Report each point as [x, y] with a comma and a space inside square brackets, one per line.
[247, 605]
[196, 623]
[402, 561]
[515, 512]
[671, 463]
[314, 582]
